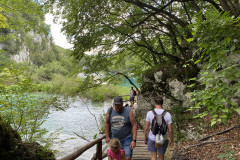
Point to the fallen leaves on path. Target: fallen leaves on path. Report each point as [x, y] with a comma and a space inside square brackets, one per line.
[225, 145]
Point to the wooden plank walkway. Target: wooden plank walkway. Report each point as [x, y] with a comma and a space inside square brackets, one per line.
[140, 152]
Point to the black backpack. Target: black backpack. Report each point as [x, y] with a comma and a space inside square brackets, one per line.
[159, 125]
[134, 93]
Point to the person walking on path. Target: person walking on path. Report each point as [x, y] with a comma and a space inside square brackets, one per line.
[115, 152]
[150, 138]
[132, 95]
[120, 123]
[137, 95]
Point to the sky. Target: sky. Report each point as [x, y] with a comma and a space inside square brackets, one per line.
[58, 37]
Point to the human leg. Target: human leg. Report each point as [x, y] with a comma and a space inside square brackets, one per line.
[151, 147]
[160, 155]
[126, 146]
[153, 155]
[162, 150]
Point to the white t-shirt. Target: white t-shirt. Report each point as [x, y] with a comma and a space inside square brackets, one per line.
[131, 93]
[149, 118]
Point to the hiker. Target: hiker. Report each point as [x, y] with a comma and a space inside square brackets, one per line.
[132, 95]
[150, 138]
[120, 123]
[137, 95]
[115, 152]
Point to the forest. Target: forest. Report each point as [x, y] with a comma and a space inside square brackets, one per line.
[187, 51]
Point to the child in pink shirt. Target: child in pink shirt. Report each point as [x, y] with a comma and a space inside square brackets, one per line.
[115, 152]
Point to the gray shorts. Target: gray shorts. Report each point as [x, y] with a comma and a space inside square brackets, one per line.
[152, 148]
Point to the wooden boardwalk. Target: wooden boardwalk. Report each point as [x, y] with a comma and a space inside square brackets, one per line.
[140, 152]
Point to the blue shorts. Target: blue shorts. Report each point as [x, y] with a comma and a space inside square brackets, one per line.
[132, 98]
[152, 148]
[126, 146]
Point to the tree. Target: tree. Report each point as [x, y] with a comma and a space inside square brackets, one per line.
[153, 33]
[11, 10]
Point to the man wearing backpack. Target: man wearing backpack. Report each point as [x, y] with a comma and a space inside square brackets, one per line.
[150, 137]
[132, 96]
[120, 123]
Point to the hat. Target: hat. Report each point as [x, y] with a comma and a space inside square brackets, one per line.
[118, 100]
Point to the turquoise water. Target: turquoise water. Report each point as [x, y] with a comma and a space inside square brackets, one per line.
[126, 83]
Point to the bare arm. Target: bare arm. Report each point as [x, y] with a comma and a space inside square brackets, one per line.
[134, 127]
[170, 131]
[123, 156]
[107, 124]
[146, 131]
[109, 158]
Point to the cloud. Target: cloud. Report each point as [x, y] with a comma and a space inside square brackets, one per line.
[58, 37]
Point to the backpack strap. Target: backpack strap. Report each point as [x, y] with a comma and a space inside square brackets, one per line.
[164, 112]
[155, 114]
[110, 112]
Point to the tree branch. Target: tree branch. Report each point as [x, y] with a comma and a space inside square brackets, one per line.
[144, 6]
[141, 57]
[150, 49]
[206, 142]
[227, 130]
[91, 114]
[215, 5]
[127, 79]
[82, 137]
[185, 9]
[198, 9]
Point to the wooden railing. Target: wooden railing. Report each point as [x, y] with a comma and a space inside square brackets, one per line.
[97, 156]
[99, 152]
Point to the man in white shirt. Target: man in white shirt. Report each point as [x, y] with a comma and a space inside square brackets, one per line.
[150, 138]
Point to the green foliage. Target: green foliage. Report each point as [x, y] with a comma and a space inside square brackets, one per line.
[218, 39]
[21, 15]
[62, 85]
[227, 155]
[107, 31]
[102, 122]
[5, 59]
[45, 72]
[19, 108]
[106, 91]
[181, 118]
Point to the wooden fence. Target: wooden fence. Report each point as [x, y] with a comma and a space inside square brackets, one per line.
[97, 156]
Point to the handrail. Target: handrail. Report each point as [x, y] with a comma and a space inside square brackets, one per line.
[124, 95]
[104, 155]
[80, 151]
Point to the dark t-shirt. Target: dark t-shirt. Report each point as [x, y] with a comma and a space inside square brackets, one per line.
[121, 126]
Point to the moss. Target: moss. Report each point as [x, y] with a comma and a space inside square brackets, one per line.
[12, 147]
[9, 139]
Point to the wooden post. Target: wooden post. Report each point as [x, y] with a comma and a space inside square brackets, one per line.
[99, 151]
[77, 153]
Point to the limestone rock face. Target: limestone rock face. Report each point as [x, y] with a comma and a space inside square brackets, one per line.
[12, 147]
[168, 81]
[22, 56]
